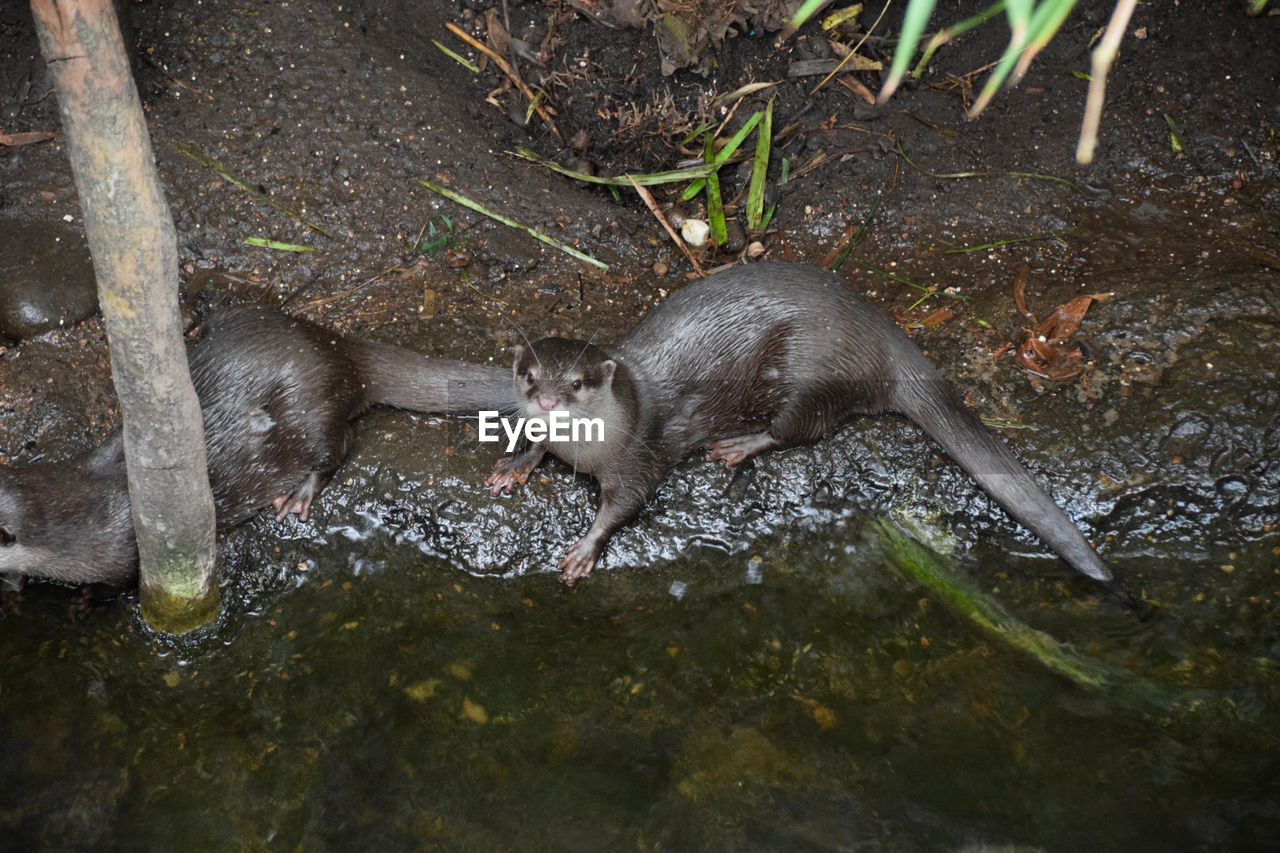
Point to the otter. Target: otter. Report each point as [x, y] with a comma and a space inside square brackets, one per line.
[751, 358]
[278, 396]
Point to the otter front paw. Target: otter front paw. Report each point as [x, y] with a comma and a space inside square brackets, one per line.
[505, 477]
[578, 562]
[512, 471]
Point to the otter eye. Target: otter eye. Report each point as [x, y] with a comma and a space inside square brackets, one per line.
[529, 377]
[576, 384]
[522, 372]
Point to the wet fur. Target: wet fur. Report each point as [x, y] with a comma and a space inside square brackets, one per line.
[774, 355]
[278, 396]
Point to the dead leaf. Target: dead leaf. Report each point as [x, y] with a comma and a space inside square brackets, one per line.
[1063, 322]
[854, 85]
[1044, 350]
[13, 140]
[937, 317]
[1052, 361]
[914, 320]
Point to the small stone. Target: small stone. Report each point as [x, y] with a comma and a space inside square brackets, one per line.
[694, 232]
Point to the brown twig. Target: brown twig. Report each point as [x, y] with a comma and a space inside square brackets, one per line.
[854, 85]
[647, 198]
[544, 112]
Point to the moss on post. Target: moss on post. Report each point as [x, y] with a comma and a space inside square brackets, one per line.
[183, 601]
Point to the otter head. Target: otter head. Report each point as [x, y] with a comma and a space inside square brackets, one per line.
[566, 375]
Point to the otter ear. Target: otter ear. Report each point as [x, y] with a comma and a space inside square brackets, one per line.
[518, 349]
[607, 369]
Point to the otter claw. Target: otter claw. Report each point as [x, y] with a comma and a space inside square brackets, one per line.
[739, 448]
[285, 504]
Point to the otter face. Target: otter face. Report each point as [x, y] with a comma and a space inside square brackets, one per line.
[571, 383]
[557, 374]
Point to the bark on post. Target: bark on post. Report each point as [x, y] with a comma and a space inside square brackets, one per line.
[135, 257]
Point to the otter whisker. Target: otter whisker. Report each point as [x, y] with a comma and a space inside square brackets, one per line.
[529, 344]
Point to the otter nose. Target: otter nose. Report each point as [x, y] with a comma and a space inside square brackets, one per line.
[546, 403]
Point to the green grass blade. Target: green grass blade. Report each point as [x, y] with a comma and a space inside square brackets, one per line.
[760, 170]
[506, 220]
[1034, 176]
[1022, 48]
[913, 23]
[768, 217]
[864, 225]
[722, 156]
[1119, 685]
[1019, 14]
[204, 159]
[807, 10]
[693, 189]
[277, 245]
[458, 58]
[735, 142]
[1045, 21]
[694, 134]
[959, 595]
[652, 179]
[715, 205]
[945, 35]
[534, 103]
[997, 77]
[900, 279]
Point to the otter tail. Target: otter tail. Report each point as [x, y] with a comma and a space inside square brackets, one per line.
[931, 402]
[398, 377]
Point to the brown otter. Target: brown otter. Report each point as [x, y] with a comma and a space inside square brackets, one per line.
[747, 359]
[278, 395]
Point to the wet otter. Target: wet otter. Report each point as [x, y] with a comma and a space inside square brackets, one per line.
[752, 358]
[278, 395]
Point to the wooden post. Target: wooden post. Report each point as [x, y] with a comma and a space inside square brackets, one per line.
[135, 257]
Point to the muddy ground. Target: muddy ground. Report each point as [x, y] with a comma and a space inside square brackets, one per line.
[1166, 449]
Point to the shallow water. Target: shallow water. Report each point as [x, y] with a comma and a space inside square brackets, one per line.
[802, 696]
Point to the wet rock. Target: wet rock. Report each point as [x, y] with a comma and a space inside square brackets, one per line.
[46, 278]
[1187, 435]
[736, 238]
